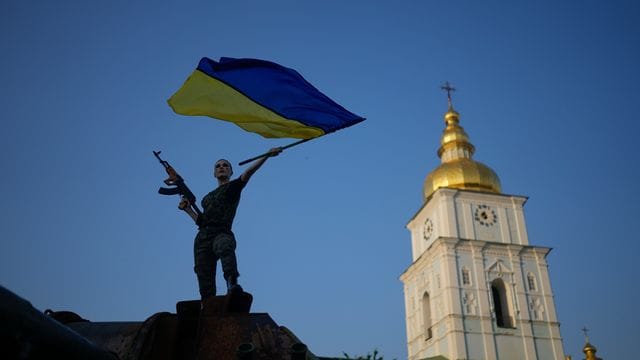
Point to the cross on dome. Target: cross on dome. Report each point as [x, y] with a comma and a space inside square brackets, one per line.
[586, 335]
[448, 88]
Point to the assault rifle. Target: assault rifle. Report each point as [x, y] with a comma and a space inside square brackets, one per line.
[177, 183]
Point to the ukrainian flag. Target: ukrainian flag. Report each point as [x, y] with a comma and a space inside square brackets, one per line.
[261, 97]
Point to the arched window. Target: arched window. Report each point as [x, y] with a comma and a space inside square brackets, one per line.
[426, 315]
[531, 281]
[501, 304]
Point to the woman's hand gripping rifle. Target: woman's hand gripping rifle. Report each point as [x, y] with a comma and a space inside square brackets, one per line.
[178, 187]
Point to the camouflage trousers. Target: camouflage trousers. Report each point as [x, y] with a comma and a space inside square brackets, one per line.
[209, 247]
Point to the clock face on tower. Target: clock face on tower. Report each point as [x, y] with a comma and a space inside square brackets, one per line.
[427, 229]
[485, 216]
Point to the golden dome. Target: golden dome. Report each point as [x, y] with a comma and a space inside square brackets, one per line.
[458, 170]
[462, 174]
[589, 348]
[590, 352]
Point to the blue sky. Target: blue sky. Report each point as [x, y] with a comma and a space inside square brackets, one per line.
[548, 92]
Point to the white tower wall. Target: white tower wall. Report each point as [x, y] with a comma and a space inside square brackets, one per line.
[463, 243]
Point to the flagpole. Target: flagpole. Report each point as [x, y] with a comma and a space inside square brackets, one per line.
[283, 148]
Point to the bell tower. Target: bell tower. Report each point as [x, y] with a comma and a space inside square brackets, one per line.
[475, 289]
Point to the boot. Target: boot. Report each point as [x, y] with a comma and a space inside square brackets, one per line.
[232, 285]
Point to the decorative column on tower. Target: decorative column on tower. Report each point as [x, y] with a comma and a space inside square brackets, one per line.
[475, 289]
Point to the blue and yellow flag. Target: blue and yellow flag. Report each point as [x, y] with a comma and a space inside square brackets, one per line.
[261, 97]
